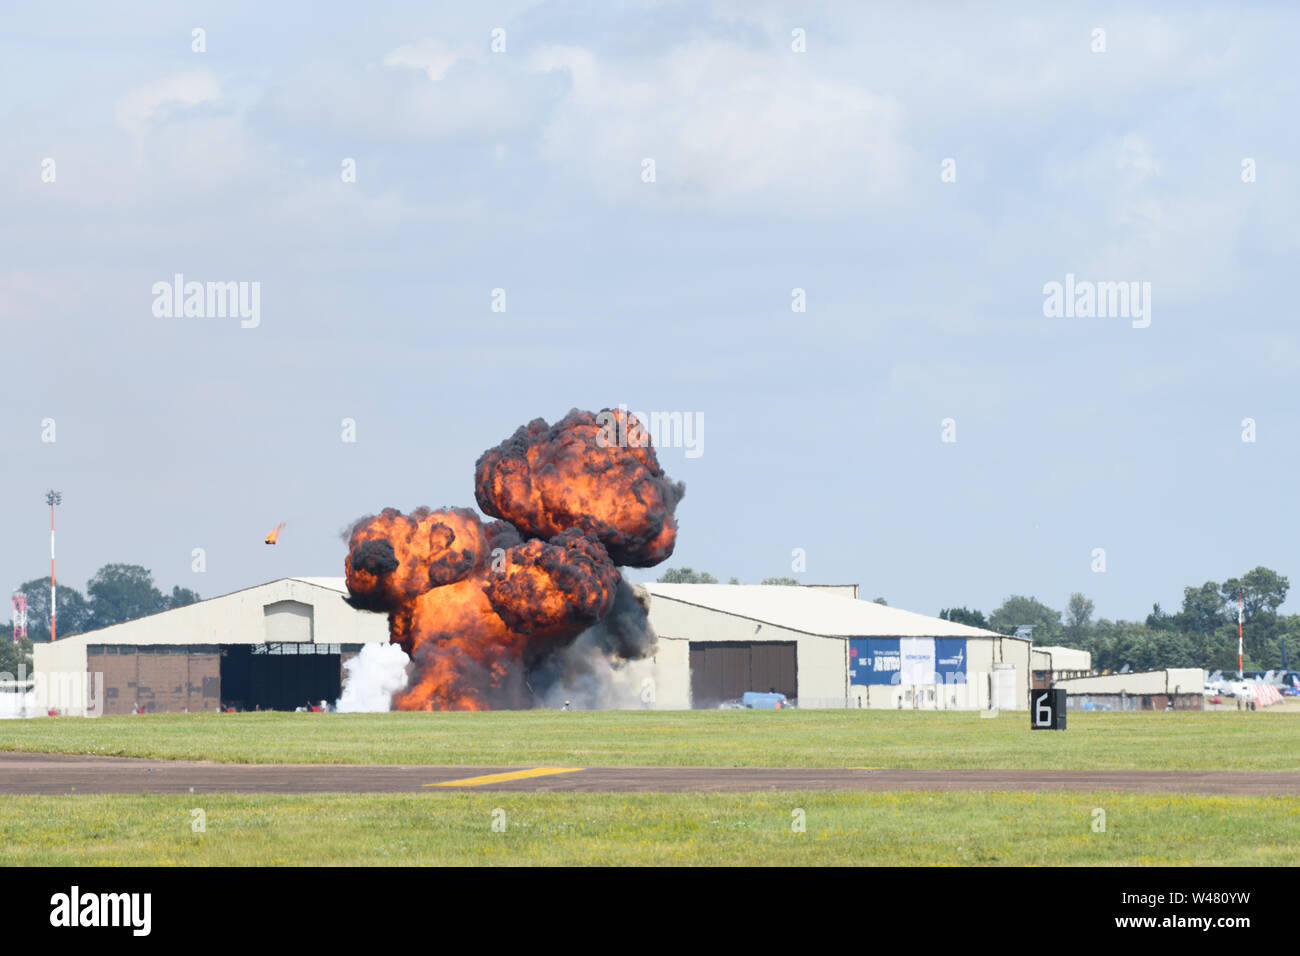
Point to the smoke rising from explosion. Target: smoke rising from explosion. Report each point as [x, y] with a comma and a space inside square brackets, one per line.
[372, 678]
[508, 613]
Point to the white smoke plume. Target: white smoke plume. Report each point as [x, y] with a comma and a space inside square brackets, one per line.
[373, 677]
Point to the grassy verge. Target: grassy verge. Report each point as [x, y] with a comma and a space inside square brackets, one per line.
[651, 829]
[1160, 740]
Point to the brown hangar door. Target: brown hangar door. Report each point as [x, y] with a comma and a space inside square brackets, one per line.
[724, 670]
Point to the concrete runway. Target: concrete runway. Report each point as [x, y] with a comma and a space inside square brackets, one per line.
[62, 773]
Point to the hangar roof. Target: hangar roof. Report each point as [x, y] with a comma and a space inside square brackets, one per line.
[177, 625]
[334, 584]
[814, 611]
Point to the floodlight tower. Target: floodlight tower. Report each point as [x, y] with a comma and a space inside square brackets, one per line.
[52, 498]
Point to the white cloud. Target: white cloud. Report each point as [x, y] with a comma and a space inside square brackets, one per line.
[137, 111]
[726, 124]
[18, 290]
[431, 56]
[1135, 155]
[1177, 230]
[458, 97]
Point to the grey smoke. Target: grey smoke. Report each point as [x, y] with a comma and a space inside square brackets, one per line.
[609, 666]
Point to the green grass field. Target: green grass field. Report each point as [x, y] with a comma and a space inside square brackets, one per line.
[983, 829]
[1153, 740]
[661, 829]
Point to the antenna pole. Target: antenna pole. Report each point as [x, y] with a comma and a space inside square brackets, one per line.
[53, 498]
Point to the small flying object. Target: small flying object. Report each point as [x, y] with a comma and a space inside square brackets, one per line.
[274, 536]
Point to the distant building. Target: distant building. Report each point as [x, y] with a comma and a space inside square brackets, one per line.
[1183, 687]
[275, 646]
[1058, 663]
[825, 648]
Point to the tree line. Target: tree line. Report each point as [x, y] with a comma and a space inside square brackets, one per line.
[1201, 633]
[116, 593]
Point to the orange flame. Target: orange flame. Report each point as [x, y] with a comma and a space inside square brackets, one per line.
[274, 536]
[598, 473]
[476, 604]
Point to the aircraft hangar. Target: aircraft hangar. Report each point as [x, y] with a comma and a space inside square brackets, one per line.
[275, 646]
[824, 647]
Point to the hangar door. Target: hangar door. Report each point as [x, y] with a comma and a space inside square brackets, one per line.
[724, 670]
[279, 676]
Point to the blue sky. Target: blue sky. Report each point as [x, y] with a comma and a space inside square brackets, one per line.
[774, 170]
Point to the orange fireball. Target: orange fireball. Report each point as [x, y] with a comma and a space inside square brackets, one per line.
[477, 605]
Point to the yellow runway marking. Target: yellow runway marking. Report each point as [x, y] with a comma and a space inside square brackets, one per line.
[501, 777]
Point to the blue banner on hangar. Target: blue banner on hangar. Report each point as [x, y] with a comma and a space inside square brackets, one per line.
[908, 660]
[873, 660]
[950, 660]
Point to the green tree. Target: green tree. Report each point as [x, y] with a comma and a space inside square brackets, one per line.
[1291, 635]
[961, 615]
[1159, 620]
[1202, 611]
[1101, 644]
[686, 576]
[180, 597]
[1078, 621]
[73, 611]
[1173, 648]
[1263, 591]
[122, 592]
[1017, 610]
[13, 655]
[1135, 646]
[1208, 621]
[118, 592]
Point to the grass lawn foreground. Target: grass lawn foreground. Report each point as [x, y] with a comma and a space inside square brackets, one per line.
[984, 829]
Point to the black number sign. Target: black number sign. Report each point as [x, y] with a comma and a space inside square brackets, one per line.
[1047, 709]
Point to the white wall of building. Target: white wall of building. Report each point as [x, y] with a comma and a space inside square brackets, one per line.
[1058, 659]
[822, 661]
[672, 674]
[1182, 680]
